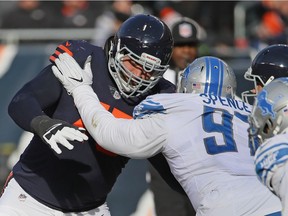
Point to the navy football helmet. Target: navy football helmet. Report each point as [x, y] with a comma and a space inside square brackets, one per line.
[209, 75]
[147, 41]
[269, 64]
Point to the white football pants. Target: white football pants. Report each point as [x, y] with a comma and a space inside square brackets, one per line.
[16, 202]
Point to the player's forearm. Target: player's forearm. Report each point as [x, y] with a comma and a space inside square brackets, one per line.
[34, 98]
[122, 136]
[22, 109]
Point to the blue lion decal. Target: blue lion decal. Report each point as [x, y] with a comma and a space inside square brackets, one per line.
[263, 104]
[147, 107]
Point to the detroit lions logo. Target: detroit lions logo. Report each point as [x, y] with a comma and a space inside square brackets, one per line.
[147, 108]
[264, 105]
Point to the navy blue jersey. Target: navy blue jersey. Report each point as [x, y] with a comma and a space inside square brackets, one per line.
[80, 179]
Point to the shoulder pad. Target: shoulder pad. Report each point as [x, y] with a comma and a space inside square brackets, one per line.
[165, 86]
[79, 49]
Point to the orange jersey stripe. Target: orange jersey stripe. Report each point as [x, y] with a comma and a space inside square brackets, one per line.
[65, 49]
[118, 114]
[79, 123]
[52, 58]
[106, 106]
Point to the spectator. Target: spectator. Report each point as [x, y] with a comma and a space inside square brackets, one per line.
[110, 20]
[267, 26]
[79, 14]
[187, 35]
[29, 14]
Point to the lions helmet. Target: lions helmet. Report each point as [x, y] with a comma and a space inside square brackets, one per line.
[269, 115]
[209, 75]
[269, 64]
[147, 41]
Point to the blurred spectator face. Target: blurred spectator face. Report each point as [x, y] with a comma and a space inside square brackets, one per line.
[122, 6]
[76, 5]
[28, 5]
[183, 55]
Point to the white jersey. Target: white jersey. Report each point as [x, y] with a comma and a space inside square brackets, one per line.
[271, 155]
[271, 162]
[204, 139]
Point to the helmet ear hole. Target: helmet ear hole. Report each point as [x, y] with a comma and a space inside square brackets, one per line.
[267, 126]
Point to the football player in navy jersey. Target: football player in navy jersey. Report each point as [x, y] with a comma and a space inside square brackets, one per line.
[63, 170]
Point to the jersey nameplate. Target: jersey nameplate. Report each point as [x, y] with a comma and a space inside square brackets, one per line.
[229, 102]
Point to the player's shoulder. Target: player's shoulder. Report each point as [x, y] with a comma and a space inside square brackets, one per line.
[276, 140]
[174, 100]
[164, 86]
[275, 145]
[166, 103]
[79, 49]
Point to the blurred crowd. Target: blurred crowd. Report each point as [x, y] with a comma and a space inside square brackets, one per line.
[105, 16]
[264, 21]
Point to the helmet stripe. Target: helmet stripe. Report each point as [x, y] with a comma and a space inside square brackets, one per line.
[215, 76]
[221, 77]
[208, 74]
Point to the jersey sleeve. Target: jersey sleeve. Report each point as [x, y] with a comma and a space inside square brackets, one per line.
[35, 98]
[137, 139]
[269, 157]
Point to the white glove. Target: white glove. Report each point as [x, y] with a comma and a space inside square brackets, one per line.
[70, 74]
[55, 131]
[60, 133]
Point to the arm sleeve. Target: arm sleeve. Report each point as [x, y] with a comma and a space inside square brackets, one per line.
[37, 97]
[137, 139]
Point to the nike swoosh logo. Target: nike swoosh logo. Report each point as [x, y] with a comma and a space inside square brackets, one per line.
[78, 80]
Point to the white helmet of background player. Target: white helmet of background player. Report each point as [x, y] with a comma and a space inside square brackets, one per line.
[209, 75]
[269, 115]
[148, 42]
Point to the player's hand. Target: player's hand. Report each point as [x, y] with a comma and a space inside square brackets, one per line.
[56, 132]
[70, 74]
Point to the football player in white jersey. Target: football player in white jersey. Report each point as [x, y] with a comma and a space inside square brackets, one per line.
[269, 127]
[203, 136]
[269, 64]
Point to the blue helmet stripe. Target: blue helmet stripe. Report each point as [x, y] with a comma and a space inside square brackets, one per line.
[221, 77]
[208, 74]
[215, 78]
